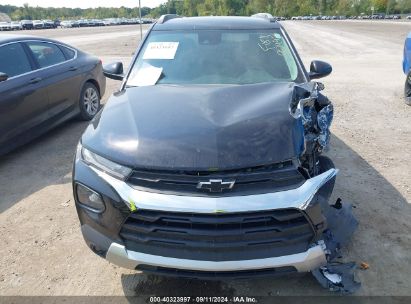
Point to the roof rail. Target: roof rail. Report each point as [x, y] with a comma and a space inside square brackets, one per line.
[165, 18]
[266, 16]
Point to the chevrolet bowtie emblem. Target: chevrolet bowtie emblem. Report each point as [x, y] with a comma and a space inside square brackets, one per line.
[215, 185]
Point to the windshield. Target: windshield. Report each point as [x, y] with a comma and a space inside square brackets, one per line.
[214, 57]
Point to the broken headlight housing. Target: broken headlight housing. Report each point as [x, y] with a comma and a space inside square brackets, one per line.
[103, 164]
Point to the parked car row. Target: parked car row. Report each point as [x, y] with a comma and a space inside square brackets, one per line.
[47, 24]
[10, 26]
[28, 25]
[378, 17]
[360, 17]
[104, 22]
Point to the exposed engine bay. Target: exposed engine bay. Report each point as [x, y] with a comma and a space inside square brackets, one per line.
[316, 113]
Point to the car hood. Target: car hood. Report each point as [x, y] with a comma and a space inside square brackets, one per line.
[202, 127]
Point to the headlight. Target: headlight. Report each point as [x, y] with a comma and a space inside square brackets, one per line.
[103, 164]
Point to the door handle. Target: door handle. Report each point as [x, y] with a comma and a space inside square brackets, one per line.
[73, 68]
[35, 80]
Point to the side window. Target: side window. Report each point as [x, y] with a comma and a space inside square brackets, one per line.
[13, 60]
[46, 54]
[68, 52]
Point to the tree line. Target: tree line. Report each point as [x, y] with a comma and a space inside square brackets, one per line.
[42, 13]
[285, 8]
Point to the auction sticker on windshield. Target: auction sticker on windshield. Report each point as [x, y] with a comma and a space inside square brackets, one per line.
[147, 75]
[161, 50]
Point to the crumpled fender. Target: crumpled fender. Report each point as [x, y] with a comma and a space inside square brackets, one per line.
[315, 111]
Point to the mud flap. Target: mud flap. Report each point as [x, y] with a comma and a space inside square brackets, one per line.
[335, 276]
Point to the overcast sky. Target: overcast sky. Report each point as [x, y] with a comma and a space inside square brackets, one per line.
[84, 3]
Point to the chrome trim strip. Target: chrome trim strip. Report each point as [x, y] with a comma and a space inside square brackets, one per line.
[306, 261]
[298, 198]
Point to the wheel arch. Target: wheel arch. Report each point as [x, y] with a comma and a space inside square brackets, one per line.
[95, 83]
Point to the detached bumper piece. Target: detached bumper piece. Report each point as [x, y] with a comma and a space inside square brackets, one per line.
[338, 277]
[335, 276]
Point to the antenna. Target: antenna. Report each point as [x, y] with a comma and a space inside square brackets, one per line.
[141, 22]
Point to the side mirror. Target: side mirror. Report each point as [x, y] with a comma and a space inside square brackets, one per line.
[3, 77]
[319, 69]
[114, 71]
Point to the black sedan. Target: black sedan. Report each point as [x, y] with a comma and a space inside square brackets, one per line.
[43, 83]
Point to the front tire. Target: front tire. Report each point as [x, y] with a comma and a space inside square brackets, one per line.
[407, 89]
[89, 102]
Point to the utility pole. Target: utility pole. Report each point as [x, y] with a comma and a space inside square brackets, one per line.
[141, 22]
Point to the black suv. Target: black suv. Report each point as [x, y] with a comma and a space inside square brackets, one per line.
[207, 161]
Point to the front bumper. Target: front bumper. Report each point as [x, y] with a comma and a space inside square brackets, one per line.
[306, 261]
[102, 231]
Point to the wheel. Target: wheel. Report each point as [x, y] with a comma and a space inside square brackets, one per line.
[89, 103]
[407, 90]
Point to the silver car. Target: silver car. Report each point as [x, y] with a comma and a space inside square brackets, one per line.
[16, 26]
[5, 26]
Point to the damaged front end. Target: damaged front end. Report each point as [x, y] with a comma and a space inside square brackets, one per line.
[336, 223]
[316, 114]
[199, 212]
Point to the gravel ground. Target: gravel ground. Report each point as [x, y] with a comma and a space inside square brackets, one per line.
[43, 252]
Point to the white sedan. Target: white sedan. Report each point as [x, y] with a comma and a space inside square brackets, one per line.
[5, 26]
[66, 24]
[15, 26]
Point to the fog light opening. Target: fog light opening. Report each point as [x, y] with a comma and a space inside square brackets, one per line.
[89, 199]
